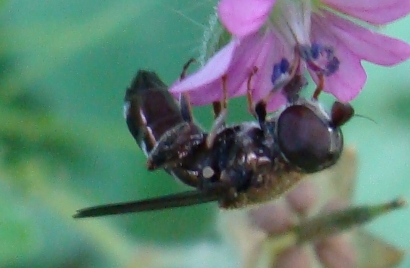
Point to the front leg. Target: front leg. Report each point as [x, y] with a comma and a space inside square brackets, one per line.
[220, 112]
[184, 103]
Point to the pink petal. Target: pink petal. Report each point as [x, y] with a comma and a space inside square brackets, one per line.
[262, 83]
[336, 252]
[364, 43]
[372, 11]
[303, 197]
[235, 61]
[260, 56]
[346, 83]
[213, 70]
[205, 86]
[274, 217]
[276, 102]
[293, 257]
[349, 79]
[335, 204]
[243, 17]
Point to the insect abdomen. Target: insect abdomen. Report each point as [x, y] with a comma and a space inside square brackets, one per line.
[149, 109]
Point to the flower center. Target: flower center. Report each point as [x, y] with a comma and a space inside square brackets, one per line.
[319, 58]
[292, 19]
[288, 78]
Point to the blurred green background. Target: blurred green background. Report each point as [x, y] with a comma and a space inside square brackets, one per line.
[64, 144]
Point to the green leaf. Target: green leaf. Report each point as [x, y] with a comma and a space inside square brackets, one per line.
[19, 237]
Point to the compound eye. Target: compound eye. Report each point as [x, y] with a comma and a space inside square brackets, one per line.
[306, 140]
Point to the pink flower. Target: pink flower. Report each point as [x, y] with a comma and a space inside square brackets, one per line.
[312, 225]
[330, 251]
[286, 37]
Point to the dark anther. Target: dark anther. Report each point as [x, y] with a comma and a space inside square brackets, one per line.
[321, 59]
[332, 66]
[315, 50]
[279, 69]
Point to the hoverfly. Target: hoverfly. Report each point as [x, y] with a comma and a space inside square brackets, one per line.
[234, 165]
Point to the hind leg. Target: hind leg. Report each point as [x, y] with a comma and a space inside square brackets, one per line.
[184, 104]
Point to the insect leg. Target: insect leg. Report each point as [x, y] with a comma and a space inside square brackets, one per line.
[219, 106]
[218, 123]
[260, 112]
[184, 104]
[185, 107]
[220, 111]
[185, 68]
[249, 98]
[319, 87]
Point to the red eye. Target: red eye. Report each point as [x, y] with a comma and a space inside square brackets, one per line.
[306, 140]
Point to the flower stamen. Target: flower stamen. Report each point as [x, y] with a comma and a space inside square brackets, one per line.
[320, 58]
[280, 73]
[249, 91]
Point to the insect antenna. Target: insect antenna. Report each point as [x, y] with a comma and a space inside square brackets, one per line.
[365, 117]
